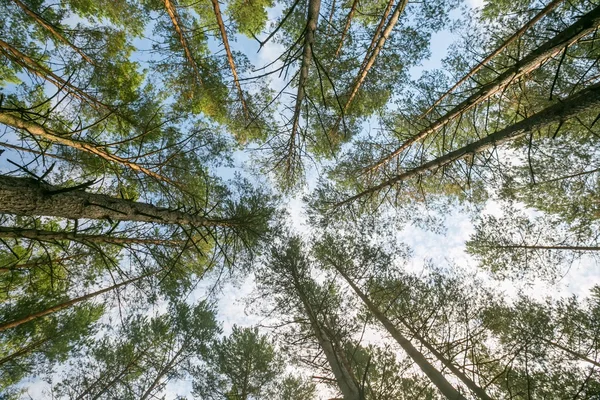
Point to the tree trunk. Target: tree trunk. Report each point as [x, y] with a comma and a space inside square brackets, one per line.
[8, 325]
[41, 235]
[172, 11]
[24, 196]
[24, 350]
[162, 373]
[309, 37]
[586, 99]
[569, 351]
[584, 25]
[236, 81]
[346, 382]
[346, 27]
[36, 129]
[52, 30]
[432, 373]
[551, 6]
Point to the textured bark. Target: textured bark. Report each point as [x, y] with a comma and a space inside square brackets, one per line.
[432, 373]
[236, 81]
[172, 11]
[38, 130]
[586, 99]
[41, 235]
[545, 11]
[23, 196]
[13, 324]
[584, 26]
[38, 18]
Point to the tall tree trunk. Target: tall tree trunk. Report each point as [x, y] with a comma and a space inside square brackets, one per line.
[24, 196]
[584, 100]
[236, 81]
[24, 350]
[41, 235]
[545, 11]
[172, 11]
[35, 129]
[12, 324]
[585, 25]
[346, 381]
[346, 27]
[371, 57]
[539, 247]
[312, 18]
[50, 28]
[163, 371]
[569, 351]
[432, 373]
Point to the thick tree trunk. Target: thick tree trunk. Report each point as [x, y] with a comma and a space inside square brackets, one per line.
[41, 235]
[584, 26]
[35, 129]
[545, 11]
[24, 196]
[12, 324]
[432, 373]
[586, 99]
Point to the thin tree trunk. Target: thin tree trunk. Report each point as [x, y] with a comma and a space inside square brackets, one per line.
[172, 11]
[584, 26]
[34, 67]
[309, 37]
[569, 351]
[372, 56]
[24, 196]
[545, 11]
[41, 235]
[432, 373]
[36, 129]
[346, 382]
[236, 81]
[40, 20]
[162, 373]
[38, 262]
[24, 350]
[584, 100]
[13, 324]
[538, 247]
[346, 27]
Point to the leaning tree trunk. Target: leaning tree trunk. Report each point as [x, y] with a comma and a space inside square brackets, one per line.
[24, 196]
[584, 100]
[585, 25]
[13, 324]
[432, 373]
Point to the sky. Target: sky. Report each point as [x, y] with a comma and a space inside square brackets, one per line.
[442, 249]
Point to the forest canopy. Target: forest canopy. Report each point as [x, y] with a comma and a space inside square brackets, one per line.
[300, 199]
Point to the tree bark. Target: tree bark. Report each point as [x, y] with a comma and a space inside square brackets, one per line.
[346, 27]
[346, 382]
[42, 235]
[24, 196]
[38, 18]
[172, 11]
[13, 324]
[432, 373]
[584, 100]
[236, 81]
[35, 129]
[545, 11]
[584, 25]
[24, 350]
